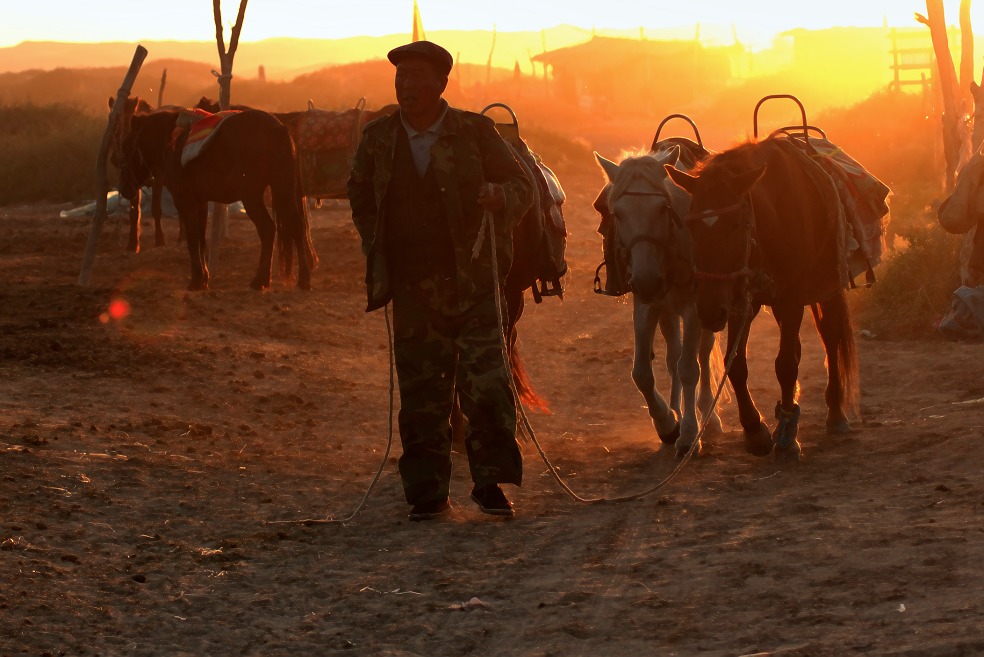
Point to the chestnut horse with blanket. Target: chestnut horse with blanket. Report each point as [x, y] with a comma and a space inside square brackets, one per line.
[246, 153]
[766, 231]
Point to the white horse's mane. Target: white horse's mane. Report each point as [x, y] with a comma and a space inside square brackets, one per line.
[647, 166]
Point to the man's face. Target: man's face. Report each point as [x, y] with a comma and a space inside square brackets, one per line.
[418, 86]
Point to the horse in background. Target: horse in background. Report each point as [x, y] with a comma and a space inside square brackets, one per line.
[137, 105]
[248, 152]
[647, 210]
[962, 213]
[767, 230]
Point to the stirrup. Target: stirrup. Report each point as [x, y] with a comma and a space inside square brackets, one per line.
[599, 288]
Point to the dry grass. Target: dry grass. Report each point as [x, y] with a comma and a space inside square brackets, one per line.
[49, 153]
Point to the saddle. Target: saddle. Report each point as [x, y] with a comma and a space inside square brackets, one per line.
[198, 128]
[548, 201]
[861, 198]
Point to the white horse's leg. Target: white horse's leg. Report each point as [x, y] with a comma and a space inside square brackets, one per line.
[708, 384]
[645, 318]
[689, 371]
[669, 326]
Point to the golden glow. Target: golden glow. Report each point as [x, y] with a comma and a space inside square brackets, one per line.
[119, 20]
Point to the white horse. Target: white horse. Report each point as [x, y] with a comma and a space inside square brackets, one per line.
[648, 211]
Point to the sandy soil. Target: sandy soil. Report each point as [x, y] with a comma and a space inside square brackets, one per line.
[144, 460]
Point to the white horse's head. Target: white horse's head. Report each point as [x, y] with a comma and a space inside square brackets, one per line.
[962, 210]
[648, 211]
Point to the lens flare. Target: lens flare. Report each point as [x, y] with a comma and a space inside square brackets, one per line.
[119, 309]
[145, 307]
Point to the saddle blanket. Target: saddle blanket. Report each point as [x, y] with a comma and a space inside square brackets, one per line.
[202, 126]
[858, 197]
[326, 142]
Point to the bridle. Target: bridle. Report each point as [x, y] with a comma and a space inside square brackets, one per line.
[668, 245]
[743, 205]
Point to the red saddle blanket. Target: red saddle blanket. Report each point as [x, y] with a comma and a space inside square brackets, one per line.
[326, 143]
[201, 126]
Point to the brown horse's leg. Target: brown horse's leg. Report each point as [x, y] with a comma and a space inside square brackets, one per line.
[157, 190]
[834, 325]
[758, 440]
[267, 231]
[789, 319]
[133, 246]
[195, 218]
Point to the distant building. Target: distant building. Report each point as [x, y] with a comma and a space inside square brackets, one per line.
[652, 76]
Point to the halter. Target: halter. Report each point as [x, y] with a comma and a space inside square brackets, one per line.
[667, 244]
[743, 205]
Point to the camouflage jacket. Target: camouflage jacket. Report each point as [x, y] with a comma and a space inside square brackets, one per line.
[467, 154]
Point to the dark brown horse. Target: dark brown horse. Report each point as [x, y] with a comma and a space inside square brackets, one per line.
[249, 152]
[137, 105]
[765, 233]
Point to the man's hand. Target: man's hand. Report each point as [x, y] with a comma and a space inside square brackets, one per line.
[492, 197]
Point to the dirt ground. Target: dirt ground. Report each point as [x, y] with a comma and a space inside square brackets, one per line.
[145, 462]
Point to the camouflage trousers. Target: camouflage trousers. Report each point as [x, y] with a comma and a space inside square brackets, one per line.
[438, 353]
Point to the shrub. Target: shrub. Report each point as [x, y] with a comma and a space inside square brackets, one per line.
[915, 284]
[49, 153]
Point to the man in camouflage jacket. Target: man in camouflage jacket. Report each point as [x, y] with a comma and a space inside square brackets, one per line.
[421, 182]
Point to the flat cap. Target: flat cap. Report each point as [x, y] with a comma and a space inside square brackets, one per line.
[432, 52]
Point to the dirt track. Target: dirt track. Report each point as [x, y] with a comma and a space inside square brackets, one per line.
[142, 459]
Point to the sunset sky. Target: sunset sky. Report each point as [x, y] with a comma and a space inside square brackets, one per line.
[133, 20]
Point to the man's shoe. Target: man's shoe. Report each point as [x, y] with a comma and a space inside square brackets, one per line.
[490, 499]
[428, 510]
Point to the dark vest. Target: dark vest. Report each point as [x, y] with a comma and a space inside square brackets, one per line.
[418, 238]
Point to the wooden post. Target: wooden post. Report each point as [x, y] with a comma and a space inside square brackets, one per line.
[160, 92]
[102, 179]
[220, 213]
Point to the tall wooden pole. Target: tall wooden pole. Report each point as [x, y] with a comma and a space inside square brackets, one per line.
[160, 91]
[220, 212]
[102, 179]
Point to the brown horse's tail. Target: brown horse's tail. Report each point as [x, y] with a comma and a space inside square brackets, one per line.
[290, 210]
[833, 318]
[524, 387]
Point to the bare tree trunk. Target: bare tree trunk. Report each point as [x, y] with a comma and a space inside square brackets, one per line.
[220, 212]
[102, 179]
[955, 138]
[966, 53]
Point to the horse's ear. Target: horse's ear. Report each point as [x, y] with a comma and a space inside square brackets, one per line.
[745, 181]
[611, 169]
[681, 178]
[111, 100]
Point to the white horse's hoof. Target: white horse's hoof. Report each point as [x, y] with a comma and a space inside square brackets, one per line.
[682, 449]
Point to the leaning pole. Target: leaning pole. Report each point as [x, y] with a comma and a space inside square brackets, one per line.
[102, 179]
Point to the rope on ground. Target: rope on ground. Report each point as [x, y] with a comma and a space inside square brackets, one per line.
[328, 520]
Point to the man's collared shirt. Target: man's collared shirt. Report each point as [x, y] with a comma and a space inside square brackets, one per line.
[421, 141]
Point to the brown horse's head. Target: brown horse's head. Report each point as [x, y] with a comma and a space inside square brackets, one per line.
[721, 228]
[135, 105]
[143, 148]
